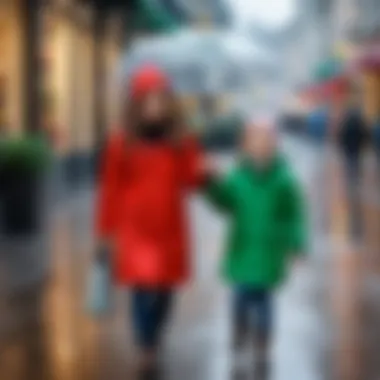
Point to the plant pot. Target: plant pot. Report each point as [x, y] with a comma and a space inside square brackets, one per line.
[21, 205]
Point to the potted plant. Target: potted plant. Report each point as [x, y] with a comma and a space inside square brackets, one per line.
[23, 163]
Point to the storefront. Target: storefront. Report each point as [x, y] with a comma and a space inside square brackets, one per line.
[70, 83]
[67, 81]
[113, 82]
[366, 34]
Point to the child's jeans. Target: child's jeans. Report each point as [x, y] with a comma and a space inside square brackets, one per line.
[150, 310]
[253, 308]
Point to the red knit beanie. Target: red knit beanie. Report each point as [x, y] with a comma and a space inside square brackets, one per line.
[148, 78]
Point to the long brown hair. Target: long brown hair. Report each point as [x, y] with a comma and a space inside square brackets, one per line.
[131, 116]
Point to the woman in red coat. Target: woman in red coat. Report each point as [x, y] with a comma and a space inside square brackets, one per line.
[148, 167]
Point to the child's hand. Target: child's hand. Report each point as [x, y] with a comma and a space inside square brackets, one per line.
[300, 260]
[299, 269]
[300, 263]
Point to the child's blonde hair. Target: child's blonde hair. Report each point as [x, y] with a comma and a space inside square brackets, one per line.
[262, 120]
[256, 122]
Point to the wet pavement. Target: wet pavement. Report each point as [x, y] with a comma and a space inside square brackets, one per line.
[316, 336]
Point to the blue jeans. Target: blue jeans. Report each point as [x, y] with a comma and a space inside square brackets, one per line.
[150, 310]
[253, 306]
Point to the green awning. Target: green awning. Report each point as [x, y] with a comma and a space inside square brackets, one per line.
[329, 69]
[151, 16]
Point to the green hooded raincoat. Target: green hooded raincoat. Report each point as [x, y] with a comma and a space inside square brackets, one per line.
[267, 222]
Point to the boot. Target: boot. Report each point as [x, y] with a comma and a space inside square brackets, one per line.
[240, 337]
[241, 356]
[262, 356]
[147, 362]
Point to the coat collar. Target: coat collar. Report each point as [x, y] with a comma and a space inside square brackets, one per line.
[274, 166]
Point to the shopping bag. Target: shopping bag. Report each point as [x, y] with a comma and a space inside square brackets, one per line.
[99, 285]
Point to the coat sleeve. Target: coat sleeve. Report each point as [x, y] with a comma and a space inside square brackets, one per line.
[193, 171]
[220, 192]
[296, 217]
[108, 189]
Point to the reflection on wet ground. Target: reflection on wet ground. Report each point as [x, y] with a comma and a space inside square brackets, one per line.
[324, 315]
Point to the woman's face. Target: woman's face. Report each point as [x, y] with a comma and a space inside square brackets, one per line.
[154, 107]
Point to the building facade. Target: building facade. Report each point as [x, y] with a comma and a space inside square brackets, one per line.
[365, 33]
[60, 85]
[11, 72]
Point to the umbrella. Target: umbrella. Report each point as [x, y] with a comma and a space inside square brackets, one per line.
[215, 56]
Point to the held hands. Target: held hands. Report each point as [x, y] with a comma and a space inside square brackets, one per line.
[209, 167]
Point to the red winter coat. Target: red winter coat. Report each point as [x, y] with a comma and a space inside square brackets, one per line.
[141, 207]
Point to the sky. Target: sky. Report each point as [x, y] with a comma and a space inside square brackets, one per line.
[267, 13]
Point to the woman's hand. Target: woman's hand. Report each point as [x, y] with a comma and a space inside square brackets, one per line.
[105, 243]
[103, 251]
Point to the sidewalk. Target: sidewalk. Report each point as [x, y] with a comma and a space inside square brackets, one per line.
[197, 345]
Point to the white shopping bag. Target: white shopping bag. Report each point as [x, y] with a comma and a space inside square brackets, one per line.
[99, 286]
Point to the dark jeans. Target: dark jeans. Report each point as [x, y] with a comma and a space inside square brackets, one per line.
[150, 311]
[253, 307]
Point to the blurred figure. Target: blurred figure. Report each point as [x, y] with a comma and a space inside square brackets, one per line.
[376, 143]
[148, 166]
[352, 138]
[317, 124]
[263, 200]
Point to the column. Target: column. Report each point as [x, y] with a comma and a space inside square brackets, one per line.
[11, 68]
[99, 73]
[31, 11]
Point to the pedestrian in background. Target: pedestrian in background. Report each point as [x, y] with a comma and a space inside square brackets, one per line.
[352, 139]
[148, 166]
[317, 124]
[263, 202]
[376, 143]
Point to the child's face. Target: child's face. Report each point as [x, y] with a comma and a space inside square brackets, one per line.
[260, 144]
[154, 107]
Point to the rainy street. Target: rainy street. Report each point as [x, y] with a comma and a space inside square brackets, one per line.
[111, 111]
[197, 343]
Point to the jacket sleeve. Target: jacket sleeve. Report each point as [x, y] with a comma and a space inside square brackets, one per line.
[220, 192]
[296, 216]
[108, 189]
[193, 171]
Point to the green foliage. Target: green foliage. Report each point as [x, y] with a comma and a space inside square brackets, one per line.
[24, 155]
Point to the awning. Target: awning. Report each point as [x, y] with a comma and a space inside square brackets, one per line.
[330, 79]
[369, 57]
[328, 69]
[152, 16]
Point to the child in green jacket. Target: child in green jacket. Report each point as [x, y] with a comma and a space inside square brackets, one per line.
[263, 201]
